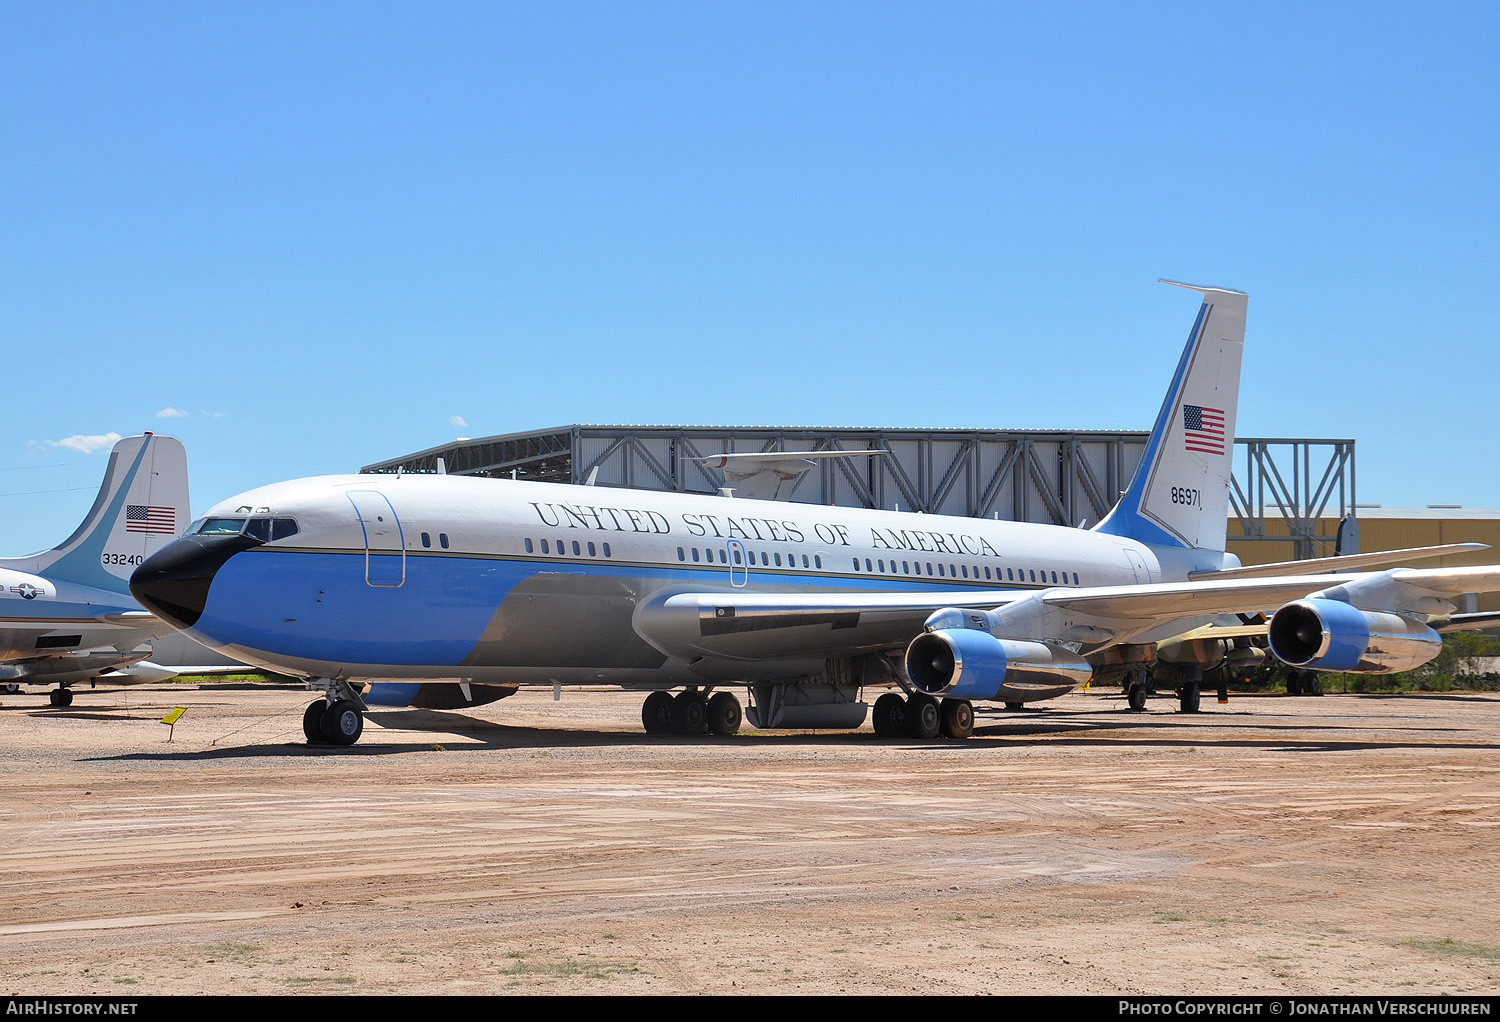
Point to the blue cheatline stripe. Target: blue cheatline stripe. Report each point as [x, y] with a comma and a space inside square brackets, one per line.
[325, 610]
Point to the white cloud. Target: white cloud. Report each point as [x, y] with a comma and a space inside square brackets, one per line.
[171, 413]
[87, 444]
[211, 415]
[456, 420]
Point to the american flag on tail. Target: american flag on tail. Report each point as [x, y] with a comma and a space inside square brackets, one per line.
[150, 518]
[1203, 429]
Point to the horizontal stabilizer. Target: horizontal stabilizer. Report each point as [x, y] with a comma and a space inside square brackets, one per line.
[1318, 565]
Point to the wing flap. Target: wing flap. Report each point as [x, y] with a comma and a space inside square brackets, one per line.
[760, 626]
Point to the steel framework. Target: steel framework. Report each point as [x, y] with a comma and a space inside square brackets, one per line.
[1054, 476]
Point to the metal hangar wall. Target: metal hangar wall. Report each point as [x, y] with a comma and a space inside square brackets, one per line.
[1286, 498]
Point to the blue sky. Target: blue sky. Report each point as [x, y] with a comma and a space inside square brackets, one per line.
[306, 237]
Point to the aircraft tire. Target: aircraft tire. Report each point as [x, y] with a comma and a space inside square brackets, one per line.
[60, 697]
[889, 716]
[343, 723]
[724, 714]
[1188, 698]
[958, 718]
[1294, 683]
[923, 718]
[1136, 697]
[11, 688]
[656, 713]
[1312, 683]
[689, 713]
[312, 722]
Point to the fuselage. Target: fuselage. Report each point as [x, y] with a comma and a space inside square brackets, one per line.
[42, 617]
[426, 576]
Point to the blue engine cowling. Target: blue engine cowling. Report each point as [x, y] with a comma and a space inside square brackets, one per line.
[966, 663]
[1330, 635]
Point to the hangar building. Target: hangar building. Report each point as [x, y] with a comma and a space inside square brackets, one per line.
[1287, 499]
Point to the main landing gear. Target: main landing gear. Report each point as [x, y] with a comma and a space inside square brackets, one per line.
[922, 716]
[337, 719]
[1303, 683]
[60, 697]
[691, 712]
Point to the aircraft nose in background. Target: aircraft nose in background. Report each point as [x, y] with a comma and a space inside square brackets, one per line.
[173, 583]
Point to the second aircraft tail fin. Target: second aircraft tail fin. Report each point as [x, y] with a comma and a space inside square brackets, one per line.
[1180, 493]
[142, 505]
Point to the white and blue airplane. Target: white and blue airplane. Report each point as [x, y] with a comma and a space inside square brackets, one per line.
[489, 584]
[66, 614]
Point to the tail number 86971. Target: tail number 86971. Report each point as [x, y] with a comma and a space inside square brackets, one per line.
[1184, 495]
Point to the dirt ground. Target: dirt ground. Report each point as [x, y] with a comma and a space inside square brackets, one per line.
[1275, 845]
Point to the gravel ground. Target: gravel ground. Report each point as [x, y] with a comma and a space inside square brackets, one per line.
[1274, 845]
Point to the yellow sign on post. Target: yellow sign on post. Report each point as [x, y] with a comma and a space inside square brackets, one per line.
[171, 720]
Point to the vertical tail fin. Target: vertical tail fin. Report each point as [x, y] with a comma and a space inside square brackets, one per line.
[141, 507]
[1180, 493]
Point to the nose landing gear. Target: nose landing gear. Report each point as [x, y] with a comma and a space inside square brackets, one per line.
[338, 718]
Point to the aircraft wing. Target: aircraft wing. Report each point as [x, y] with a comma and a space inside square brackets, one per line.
[1339, 562]
[757, 625]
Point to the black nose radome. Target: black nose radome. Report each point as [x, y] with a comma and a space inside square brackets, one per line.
[173, 582]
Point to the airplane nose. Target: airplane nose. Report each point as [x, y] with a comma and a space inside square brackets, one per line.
[173, 582]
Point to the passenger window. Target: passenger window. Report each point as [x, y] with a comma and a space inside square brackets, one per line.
[778, 560]
[545, 548]
[606, 551]
[443, 540]
[804, 560]
[695, 554]
[856, 564]
[1075, 578]
[680, 555]
[940, 571]
[591, 550]
[764, 560]
[428, 542]
[577, 550]
[868, 566]
[818, 560]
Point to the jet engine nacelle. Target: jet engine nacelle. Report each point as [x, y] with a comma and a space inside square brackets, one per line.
[966, 663]
[1330, 635]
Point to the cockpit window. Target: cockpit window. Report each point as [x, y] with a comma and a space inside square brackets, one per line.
[265, 530]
